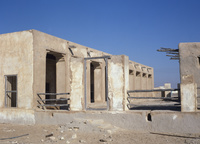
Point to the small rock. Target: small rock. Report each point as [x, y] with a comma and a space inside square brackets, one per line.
[42, 140]
[70, 128]
[74, 136]
[109, 131]
[110, 138]
[52, 138]
[49, 135]
[62, 131]
[102, 140]
[67, 142]
[62, 138]
[82, 141]
[76, 128]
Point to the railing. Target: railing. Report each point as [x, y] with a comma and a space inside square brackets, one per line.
[130, 106]
[58, 104]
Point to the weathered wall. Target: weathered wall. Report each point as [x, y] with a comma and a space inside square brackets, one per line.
[44, 43]
[126, 81]
[141, 77]
[16, 53]
[29, 62]
[77, 84]
[17, 116]
[116, 82]
[167, 123]
[189, 61]
[190, 76]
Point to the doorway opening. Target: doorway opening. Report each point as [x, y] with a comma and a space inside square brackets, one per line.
[55, 76]
[96, 83]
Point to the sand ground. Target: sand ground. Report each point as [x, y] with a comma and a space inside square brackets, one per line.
[88, 132]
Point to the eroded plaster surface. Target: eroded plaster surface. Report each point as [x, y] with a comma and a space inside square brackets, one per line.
[76, 67]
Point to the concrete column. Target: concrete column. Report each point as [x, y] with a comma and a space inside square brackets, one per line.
[126, 81]
[116, 83]
[77, 84]
[88, 81]
[103, 81]
[67, 72]
[189, 97]
[167, 93]
[39, 75]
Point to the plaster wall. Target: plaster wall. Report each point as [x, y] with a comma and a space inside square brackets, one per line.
[166, 123]
[77, 84]
[188, 97]
[17, 116]
[190, 75]
[189, 62]
[16, 53]
[28, 60]
[116, 82]
[44, 43]
[141, 78]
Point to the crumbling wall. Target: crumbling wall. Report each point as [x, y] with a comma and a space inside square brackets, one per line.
[118, 71]
[77, 84]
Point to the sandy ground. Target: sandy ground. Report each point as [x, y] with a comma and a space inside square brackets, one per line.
[88, 132]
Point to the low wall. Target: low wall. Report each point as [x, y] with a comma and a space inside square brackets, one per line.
[17, 116]
[141, 121]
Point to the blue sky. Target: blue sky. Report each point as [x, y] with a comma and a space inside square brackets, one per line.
[136, 28]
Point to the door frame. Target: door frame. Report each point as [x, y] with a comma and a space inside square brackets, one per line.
[106, 78]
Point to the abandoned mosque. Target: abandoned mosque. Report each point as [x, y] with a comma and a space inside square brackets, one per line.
[45, 79]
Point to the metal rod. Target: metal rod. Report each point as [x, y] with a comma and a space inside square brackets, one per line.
[152, 97]
[11, 91]
[54, 105]
[43, 100]
[85, 80]
[103, 57]
[16, 92]
[106, 86]
[134, 105]
[53, 93]
[5, 91]
[133, 91]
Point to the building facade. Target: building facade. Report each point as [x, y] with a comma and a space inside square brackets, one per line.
[37, 69]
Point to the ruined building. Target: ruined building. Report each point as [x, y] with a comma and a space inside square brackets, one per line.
[41, 72]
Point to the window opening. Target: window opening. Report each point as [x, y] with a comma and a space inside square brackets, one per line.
[138, 74]
[11, 91]
[144, 75]
[198, 60]
[131, 72]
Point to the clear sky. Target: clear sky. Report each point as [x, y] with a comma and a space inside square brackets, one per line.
[136, 28]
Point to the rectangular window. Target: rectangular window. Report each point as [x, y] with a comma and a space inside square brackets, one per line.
[198, 60]
[11, 91]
